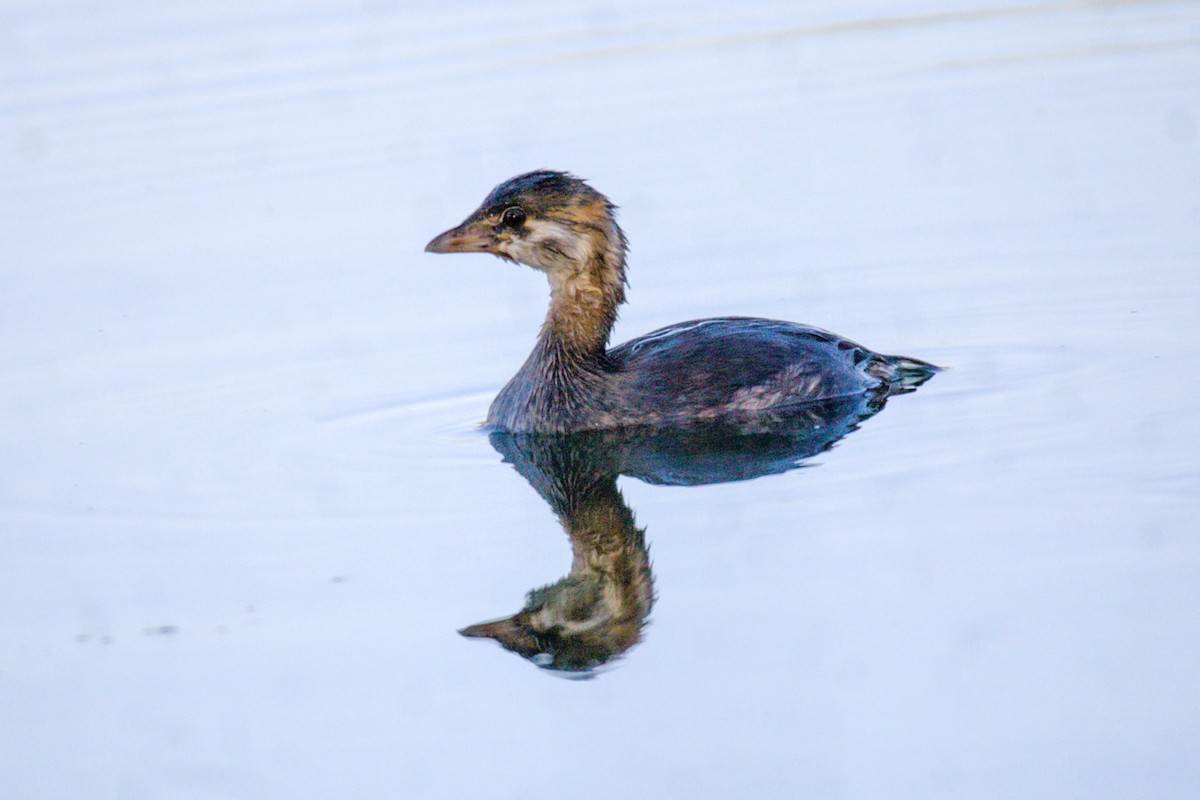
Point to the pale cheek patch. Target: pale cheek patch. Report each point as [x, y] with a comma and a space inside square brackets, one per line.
[549, 245]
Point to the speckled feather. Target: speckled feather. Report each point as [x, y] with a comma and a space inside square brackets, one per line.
[701, 369]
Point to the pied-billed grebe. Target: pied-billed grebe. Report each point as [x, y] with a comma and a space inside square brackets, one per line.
[702, 369]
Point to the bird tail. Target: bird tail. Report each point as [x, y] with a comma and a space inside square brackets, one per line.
[901, 374]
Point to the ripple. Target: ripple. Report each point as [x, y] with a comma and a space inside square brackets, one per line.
[442, 429]
[445, 415]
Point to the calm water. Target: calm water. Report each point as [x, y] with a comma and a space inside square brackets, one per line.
[246, 507]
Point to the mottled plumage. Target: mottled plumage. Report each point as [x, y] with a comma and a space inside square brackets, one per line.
[701, 369]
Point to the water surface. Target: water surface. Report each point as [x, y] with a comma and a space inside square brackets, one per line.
[246, 506]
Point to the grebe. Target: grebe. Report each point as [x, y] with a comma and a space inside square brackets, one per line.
[702, 369]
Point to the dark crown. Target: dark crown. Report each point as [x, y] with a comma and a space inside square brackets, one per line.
[540, 190]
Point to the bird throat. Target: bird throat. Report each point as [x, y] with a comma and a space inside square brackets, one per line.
[583, 302]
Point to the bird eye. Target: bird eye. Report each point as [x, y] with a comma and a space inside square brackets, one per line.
[513, 217]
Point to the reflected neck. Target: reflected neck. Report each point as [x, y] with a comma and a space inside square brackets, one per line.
[607, 545]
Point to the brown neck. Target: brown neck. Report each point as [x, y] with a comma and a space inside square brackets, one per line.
[584, 299]
[606, 542]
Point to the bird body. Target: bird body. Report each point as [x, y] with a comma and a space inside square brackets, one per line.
[697, 370]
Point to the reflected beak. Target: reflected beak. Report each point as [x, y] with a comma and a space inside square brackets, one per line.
[507, 632]
[490, 630]
[470, 237]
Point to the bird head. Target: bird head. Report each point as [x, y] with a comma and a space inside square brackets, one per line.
[571, 627]
[548, 220]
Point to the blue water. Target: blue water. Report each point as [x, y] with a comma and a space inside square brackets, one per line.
[246, 506]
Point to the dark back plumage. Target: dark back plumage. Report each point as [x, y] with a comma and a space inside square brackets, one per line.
[555, 222]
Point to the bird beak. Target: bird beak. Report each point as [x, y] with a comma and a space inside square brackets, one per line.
[505, 631]
[496, 629]
[473, 236]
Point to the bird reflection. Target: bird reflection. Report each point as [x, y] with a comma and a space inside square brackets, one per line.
[598, 610]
